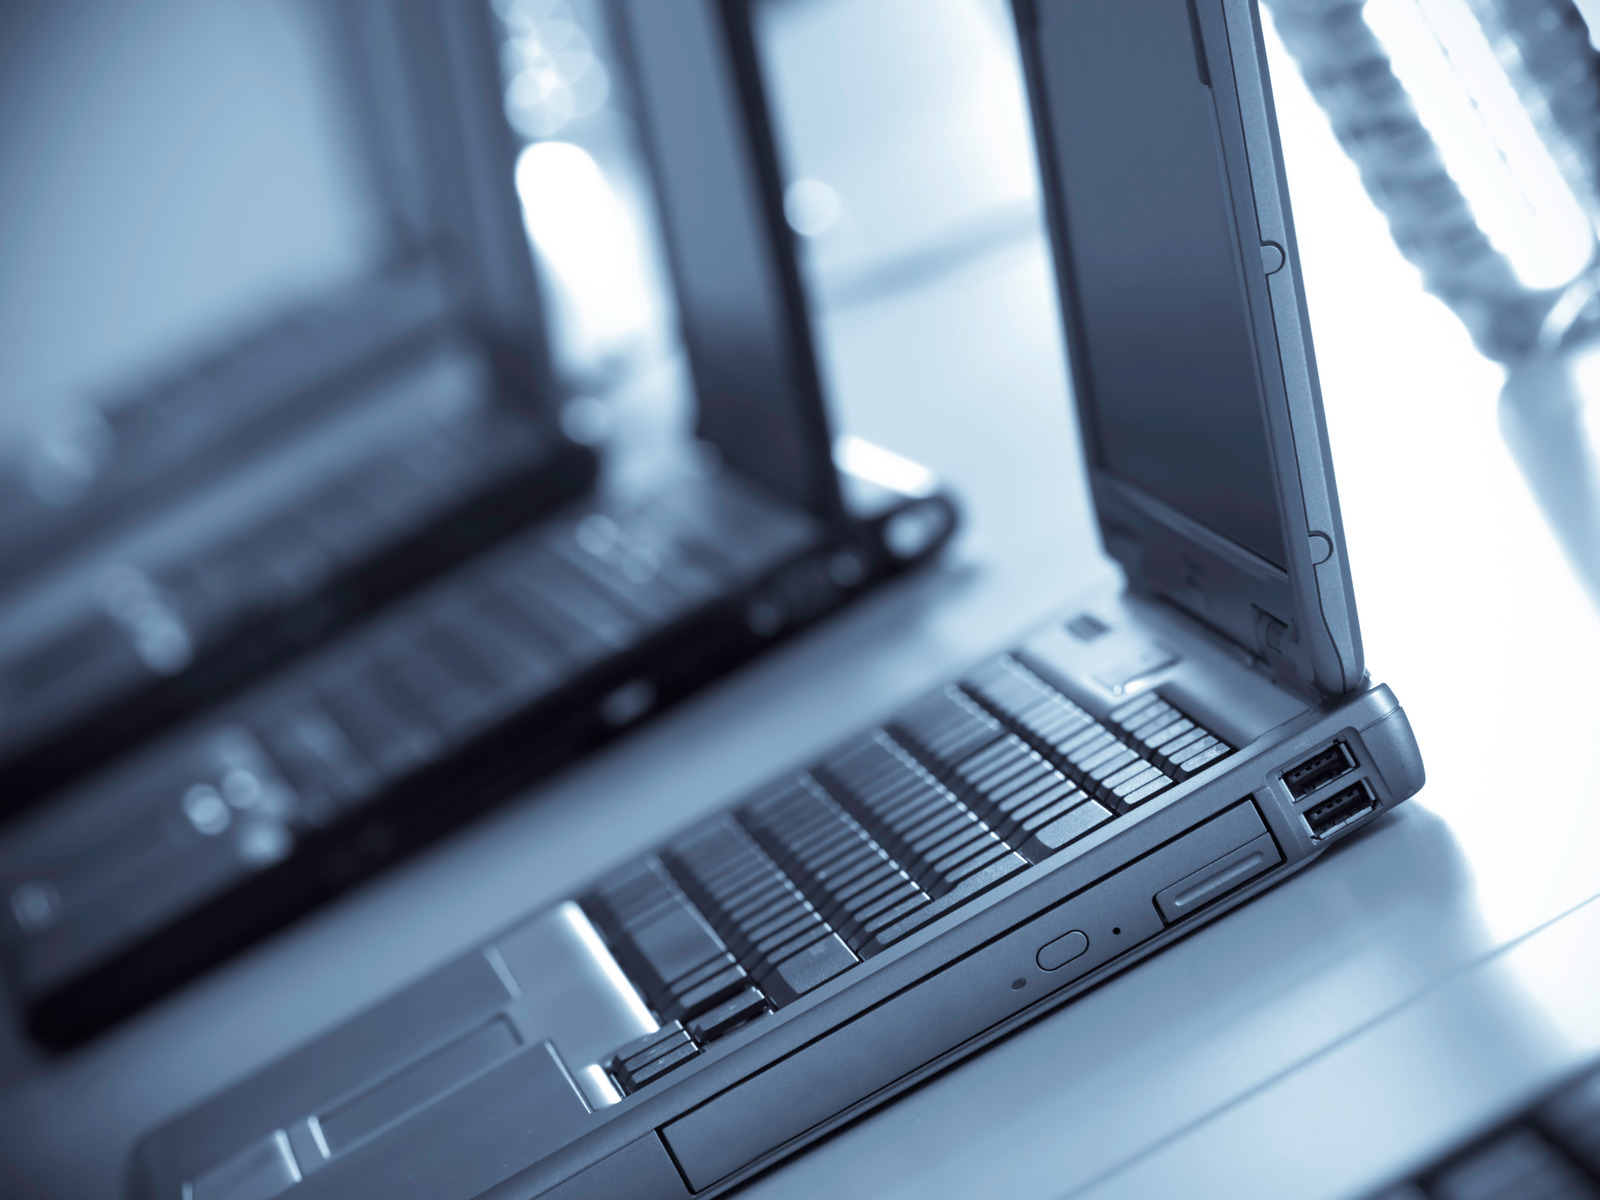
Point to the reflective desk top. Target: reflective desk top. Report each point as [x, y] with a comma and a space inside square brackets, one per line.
[1392, 994]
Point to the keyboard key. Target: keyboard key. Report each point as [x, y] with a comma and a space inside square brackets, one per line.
[651, 1046]
[977, 863]
[1055, 800]
[579, 618]
[438, 679]
[1065, 829]
[1024, 800]
[869, 868]
[1214, 751]
[344, 525]
[709, 992]
[731, 1013]
[388, 735]
[291, 556]
[808, 970]
[1133, 768]
[1141, 794]
[655, 1068]
[1109, 764]
[674, 943]
[893, 915]
[970, 887]
[883, 911]
[784, 927]
[998, 763]
[879, 884]
[1180, 747]
[953, 861]
[800, 939]
[1045, 816]
[765, 895]
[948, 726]
[629, 576]
[943, 832]
[1037, 777]
[684, 985]
[1137, 781]
[1174, 734]
[1084, 750]
[326, 772]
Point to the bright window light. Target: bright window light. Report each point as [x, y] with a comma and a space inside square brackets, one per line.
[883, 467]
[1489, 144]
[1586, 377]
[1590, 11]
[586, 235]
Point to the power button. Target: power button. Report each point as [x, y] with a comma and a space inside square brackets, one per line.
[1057, 954]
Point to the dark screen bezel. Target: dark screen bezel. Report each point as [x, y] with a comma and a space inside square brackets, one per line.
[1299, 618]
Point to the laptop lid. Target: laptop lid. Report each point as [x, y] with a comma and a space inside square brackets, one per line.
[1186, 323]
[741, 303]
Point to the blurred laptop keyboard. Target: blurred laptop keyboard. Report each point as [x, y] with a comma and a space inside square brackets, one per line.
[429, 703]
[164, 643]
[154, 441]
[1549, 1151]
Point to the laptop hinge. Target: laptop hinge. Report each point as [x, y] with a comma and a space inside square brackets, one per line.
[1267, 656]
[1234, 595]
[1273, 640]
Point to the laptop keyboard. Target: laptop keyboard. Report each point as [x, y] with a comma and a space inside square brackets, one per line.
[213, 406]
[421, 682]
[1549, 1152]
[166, 642]
[340, 525]
[408, 690]
[424, 682]
[759, 905]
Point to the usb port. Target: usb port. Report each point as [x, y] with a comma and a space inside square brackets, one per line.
[1339, 810]
[1321, 768]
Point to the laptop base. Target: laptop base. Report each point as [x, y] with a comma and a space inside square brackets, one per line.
[752, 984]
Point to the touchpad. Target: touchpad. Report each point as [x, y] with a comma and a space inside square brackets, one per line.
[482, 1132]
[466, 1077]
[353, 1121]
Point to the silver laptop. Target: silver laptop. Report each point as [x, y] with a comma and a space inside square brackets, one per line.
[1138, 766]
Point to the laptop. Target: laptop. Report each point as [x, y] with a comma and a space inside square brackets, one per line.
[467, 687]
[1144, 762]
[254, 537]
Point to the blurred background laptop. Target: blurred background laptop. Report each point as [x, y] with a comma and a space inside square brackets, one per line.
[496, 308]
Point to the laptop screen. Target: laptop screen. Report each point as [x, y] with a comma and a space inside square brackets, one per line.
[741, 306]
[1167, 365]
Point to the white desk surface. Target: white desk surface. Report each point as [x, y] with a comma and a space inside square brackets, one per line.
[1326, 1035]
